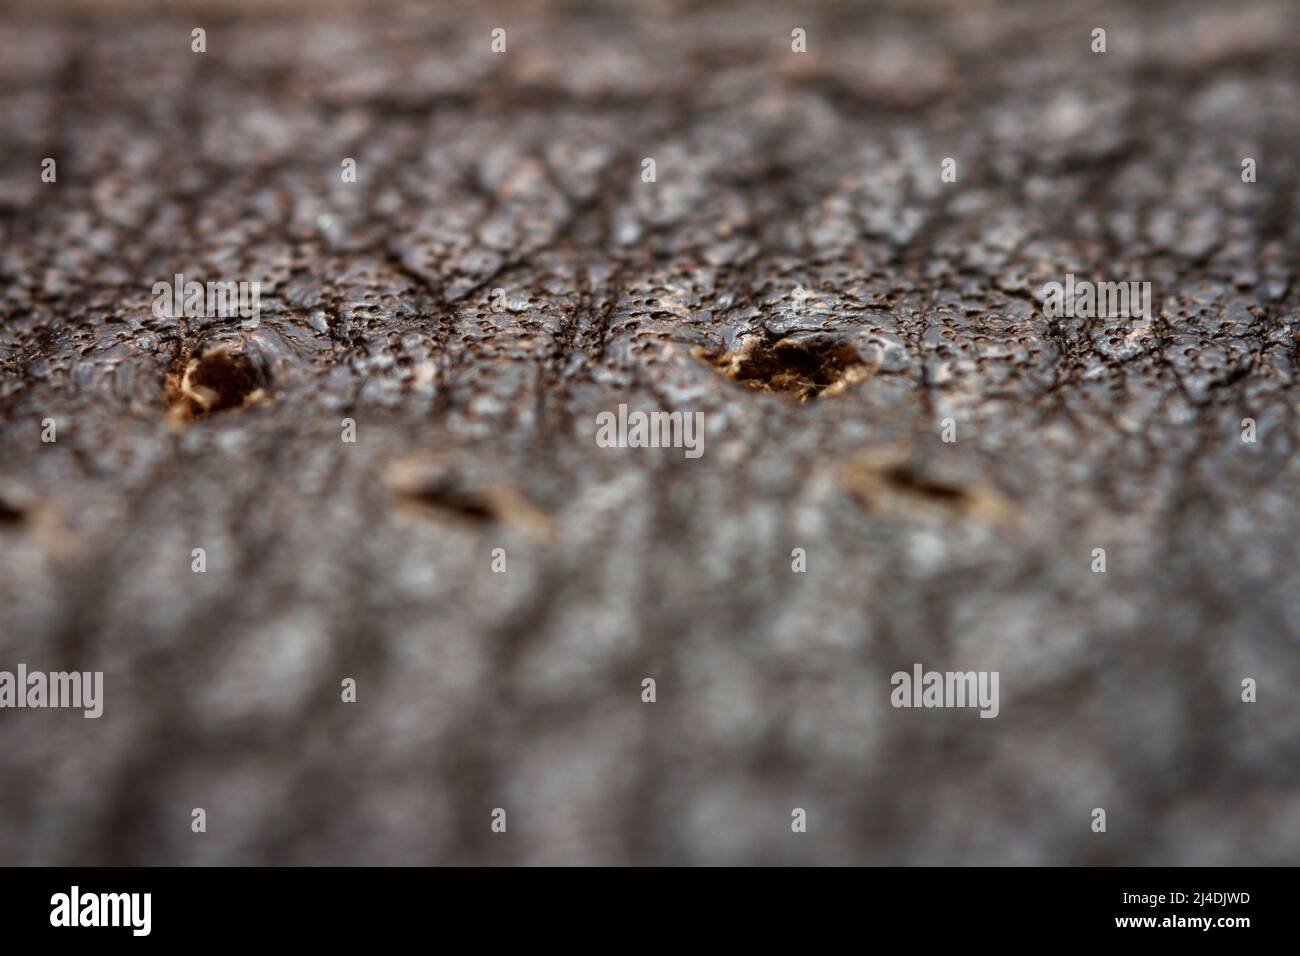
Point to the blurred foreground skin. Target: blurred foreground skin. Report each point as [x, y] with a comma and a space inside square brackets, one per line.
[362, 583]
